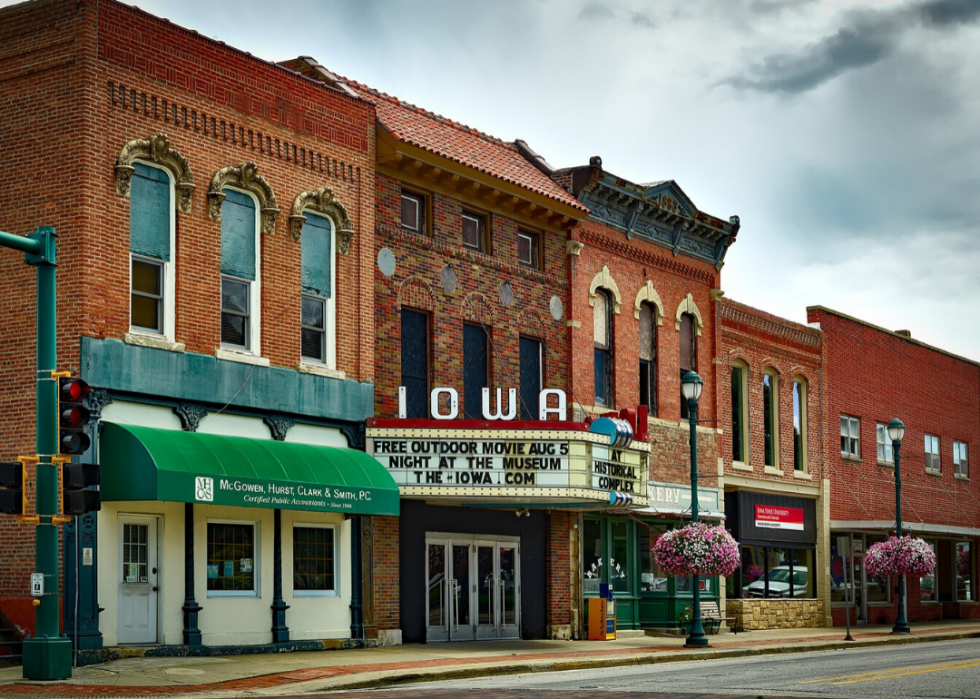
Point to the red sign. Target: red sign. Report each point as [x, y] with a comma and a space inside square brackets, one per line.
[775, 517]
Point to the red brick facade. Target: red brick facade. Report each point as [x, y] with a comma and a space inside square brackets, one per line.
[874, 375]
[83, 79]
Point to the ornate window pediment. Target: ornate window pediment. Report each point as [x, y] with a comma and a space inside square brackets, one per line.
[244, 176]
[687, 305]
[156, 149]
[604, 280]
[322, 201]
[647, 294]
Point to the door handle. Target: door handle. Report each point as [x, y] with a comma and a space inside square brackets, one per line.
[154, 588]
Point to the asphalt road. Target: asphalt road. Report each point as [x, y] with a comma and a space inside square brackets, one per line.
[948, 669]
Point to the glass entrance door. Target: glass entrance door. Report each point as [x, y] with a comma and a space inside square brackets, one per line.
[473, 588]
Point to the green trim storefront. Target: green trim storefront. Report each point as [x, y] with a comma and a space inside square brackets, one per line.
[616, 550]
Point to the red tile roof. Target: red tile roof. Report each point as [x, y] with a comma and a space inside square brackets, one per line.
[462, 144]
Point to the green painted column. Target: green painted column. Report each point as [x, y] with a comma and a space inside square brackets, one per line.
[47, 655]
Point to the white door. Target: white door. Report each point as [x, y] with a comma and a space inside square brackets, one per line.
[137, 613]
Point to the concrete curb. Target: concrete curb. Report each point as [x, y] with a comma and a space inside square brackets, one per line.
[515, 668]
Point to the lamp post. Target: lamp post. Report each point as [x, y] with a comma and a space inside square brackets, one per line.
[691, 385]
[896, 430]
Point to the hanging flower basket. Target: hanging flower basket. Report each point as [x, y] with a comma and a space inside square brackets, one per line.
[697, 549]
[905, 555]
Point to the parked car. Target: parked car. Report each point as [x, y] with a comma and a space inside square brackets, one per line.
[779, 583]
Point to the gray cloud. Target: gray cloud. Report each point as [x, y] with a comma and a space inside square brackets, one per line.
[868, 38]
[595, 10]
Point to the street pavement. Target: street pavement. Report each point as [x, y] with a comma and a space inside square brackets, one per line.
[948, 670]
[308, 672]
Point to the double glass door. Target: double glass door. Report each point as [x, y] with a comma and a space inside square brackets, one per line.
[473, 588]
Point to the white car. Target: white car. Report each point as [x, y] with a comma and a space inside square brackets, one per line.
[779, 579]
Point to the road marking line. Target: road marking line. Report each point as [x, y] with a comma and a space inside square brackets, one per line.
[896, 672]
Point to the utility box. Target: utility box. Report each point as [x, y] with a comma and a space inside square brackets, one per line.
[602, 615]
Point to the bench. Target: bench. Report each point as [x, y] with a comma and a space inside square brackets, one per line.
[711, 618]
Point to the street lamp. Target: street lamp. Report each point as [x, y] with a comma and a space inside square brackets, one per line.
[691, 385]
[896, 430]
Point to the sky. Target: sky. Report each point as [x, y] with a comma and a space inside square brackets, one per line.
[845, 135]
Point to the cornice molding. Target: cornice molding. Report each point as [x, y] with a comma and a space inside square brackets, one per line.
[626, 250]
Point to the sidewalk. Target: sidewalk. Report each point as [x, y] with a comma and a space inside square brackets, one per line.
[303, 672]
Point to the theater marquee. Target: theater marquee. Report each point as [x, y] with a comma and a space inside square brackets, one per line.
[532, 466]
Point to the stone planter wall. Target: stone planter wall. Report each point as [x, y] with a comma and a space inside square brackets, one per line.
[757, 614]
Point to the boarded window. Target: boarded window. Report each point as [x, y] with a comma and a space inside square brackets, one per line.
[530, 377]
[317, 255]
[149, 212]
[648, 358]
[475, 369]
[238, 235]
[415, 363]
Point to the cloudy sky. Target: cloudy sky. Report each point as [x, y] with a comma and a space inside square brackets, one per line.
[846, 135]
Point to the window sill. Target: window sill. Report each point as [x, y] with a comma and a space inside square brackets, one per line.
[887, 464]
[154, 341]
[315, 593]
[931, 472]
[802, 475]
[241, 357]
[739, 466]
[218, 594]
[854, 459]
[320, 370]
[960, 477]
[773, 471]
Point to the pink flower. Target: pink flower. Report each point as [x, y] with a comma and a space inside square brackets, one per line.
[900, 556]
[697, 549]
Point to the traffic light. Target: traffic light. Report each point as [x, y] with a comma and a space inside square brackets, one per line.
[72, 416]
[76, 496]
[13, 496]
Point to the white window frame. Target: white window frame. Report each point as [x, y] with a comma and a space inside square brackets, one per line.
[804, 391]
[535, 240]
[482, 232]
[958, 465]
[851, 421]
[336, 592]
[930, 440]
[256, 559]
[885, 452]
[330, 306]
[744, 413]
[169, 280]
[254, 290]
[420, 201]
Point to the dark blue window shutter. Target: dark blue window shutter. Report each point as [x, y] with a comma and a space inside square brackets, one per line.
[317, 232]
[415, 363]
[238, 235]
[149, 212]
[530, 378]
[475, 361]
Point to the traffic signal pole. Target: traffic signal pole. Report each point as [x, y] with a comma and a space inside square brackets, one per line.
[47, 655]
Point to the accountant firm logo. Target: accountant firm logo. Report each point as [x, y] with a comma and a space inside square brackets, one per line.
[204, 489]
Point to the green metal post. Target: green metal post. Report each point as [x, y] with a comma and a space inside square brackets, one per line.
[697, 639]
[901, 623]
[47, 655]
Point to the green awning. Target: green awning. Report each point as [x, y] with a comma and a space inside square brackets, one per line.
[145, 463]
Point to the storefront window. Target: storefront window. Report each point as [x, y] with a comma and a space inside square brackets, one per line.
[841, 577]
[652, 579]
[231, 557]
[592, 555]
[877, 588]
[927, 584]
[313, 559]
[964, 571]
[620, 557]
[777, 572]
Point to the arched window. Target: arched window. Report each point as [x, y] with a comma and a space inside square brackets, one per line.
[318, 306]
[648, 356]
[740, 413]
[151, 247]
[240, 274]
[799, 425]
[688, 351]
[770, 417]
[602, 319]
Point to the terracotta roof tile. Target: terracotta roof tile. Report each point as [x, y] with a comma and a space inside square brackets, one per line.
[462, 144]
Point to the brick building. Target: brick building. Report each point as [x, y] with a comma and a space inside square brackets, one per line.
[770, 375]
[471, 292]
[873, 375]
[645, 268]
[216, 222]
